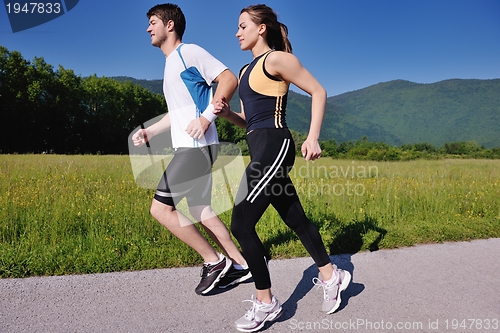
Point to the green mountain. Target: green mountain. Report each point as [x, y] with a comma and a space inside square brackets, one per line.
[400, 112]
[437, 113]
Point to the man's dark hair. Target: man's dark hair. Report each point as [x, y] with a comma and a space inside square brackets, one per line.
[167, 12]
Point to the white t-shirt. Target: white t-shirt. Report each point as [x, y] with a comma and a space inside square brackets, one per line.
[181, 107]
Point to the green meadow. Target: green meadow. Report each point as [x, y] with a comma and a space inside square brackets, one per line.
[86, 214]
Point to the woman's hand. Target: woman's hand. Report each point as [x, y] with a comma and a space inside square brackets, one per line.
[311, 150]
[221, 107]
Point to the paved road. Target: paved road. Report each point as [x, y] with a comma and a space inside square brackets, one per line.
[427, 288]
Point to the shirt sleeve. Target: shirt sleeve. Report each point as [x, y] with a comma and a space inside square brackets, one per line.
[208, 66]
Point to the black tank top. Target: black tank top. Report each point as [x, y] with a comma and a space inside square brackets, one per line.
[264, 96]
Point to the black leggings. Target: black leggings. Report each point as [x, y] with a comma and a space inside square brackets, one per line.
[266, 181]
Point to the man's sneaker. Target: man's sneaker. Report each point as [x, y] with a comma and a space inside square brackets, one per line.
[256, 317]
[234, 276]
[211, 274]
[332, 289]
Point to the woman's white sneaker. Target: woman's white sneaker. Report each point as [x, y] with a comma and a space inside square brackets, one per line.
[258, 315]
[332, 289]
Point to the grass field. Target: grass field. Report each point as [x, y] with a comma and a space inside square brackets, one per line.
[86, 214]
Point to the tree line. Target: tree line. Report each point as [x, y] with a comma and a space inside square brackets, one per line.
[57, 111]
[364, 149]
[47, 110]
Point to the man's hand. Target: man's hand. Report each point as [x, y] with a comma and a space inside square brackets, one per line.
[197, 128]
[140, 138]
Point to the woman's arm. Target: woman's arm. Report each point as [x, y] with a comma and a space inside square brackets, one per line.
[222, 109]
[288, 68]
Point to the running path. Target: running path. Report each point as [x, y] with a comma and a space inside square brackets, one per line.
[450, 287]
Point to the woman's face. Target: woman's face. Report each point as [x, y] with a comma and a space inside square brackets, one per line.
[248, 32]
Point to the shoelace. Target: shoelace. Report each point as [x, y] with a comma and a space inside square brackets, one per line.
[320, 283]
[204, 271]
[250, 314]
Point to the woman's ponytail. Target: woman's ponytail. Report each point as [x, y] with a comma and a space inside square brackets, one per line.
[287, 46]
[277, 32]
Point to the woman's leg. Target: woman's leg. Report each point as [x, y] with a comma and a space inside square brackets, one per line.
[244, 219]
[291, 211]
[268, 150]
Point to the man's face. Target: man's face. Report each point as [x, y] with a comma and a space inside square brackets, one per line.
[157, 31]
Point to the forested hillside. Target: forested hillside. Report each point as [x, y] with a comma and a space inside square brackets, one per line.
[446, 111]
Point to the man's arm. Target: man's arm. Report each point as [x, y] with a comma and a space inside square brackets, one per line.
[226, 86]
[144, 135]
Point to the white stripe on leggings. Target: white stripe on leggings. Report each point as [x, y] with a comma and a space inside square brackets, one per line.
[270, 173]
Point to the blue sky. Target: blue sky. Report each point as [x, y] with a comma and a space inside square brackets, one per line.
[347, 45]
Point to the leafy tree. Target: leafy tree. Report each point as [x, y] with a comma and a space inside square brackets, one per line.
[461, 148]
[13, 98]
[71, 108]
[329, 148]
[44, 121]
[228, 132]
[420, 147]
[57, 111]
[299, 139]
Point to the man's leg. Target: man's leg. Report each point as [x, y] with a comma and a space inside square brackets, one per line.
[218, 232]
[216, 265]
[181, 227]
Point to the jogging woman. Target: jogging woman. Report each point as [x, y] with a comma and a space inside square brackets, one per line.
[263, 91]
